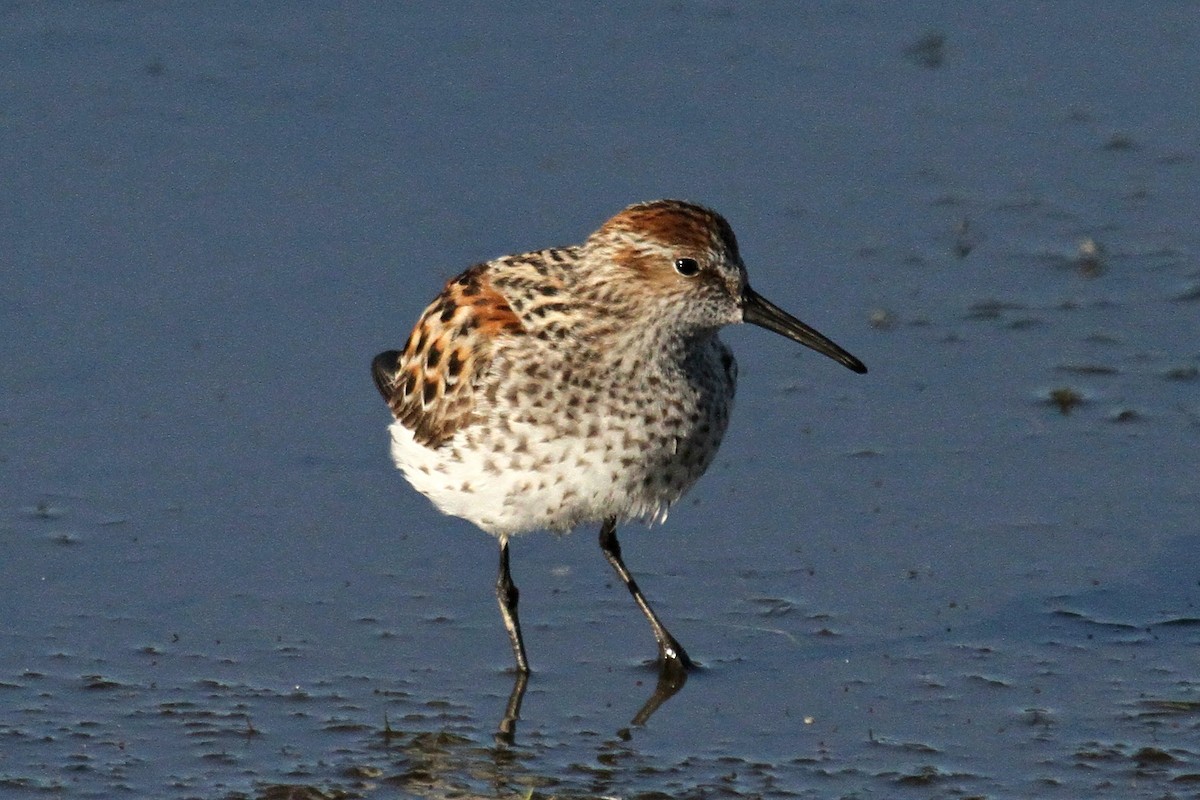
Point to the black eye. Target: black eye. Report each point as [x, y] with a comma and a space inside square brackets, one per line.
[687, 267]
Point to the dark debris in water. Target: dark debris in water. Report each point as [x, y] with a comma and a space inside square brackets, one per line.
[1065, 399]
[772, 606]
[1040, 717]
[928, 51]
[1188, 295]
[1090, 258]
[1143, 757]
[904, 746]
[991, 309]
[289, 791]
[99, 682]
[923, 776]
[1184, 373]
[1109, 624]
[1153, 755]
[966, 239]
[1161, 707]
[46, 509]
[1120, 143]
[1087, 369]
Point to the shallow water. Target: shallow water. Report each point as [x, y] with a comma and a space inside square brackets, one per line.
[970, 573]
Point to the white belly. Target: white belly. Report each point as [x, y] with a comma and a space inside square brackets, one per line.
[616, 452]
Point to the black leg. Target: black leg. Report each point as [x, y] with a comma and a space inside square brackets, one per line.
[670, 652]
[507, 594]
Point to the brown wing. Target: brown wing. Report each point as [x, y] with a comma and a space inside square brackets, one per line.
[430, 385]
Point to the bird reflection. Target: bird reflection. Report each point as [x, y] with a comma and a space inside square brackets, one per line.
[671, 678]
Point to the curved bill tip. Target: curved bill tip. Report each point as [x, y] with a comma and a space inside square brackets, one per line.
[757, 310]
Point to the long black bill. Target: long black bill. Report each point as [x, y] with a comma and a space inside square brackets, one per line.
[757, 310]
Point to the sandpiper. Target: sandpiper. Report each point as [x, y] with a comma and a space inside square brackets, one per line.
[579, 384]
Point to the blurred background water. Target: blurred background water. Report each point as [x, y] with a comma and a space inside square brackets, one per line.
[971, 573]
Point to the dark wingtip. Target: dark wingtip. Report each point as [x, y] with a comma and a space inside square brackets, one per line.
[858, 367]
[383, 370]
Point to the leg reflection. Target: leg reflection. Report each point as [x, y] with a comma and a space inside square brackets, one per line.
[671, 678]
[512, 712]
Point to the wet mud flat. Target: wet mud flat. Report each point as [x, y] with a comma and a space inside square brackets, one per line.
[969, 574]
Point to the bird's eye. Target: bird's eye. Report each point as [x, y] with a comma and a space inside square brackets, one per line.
[687, 267]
